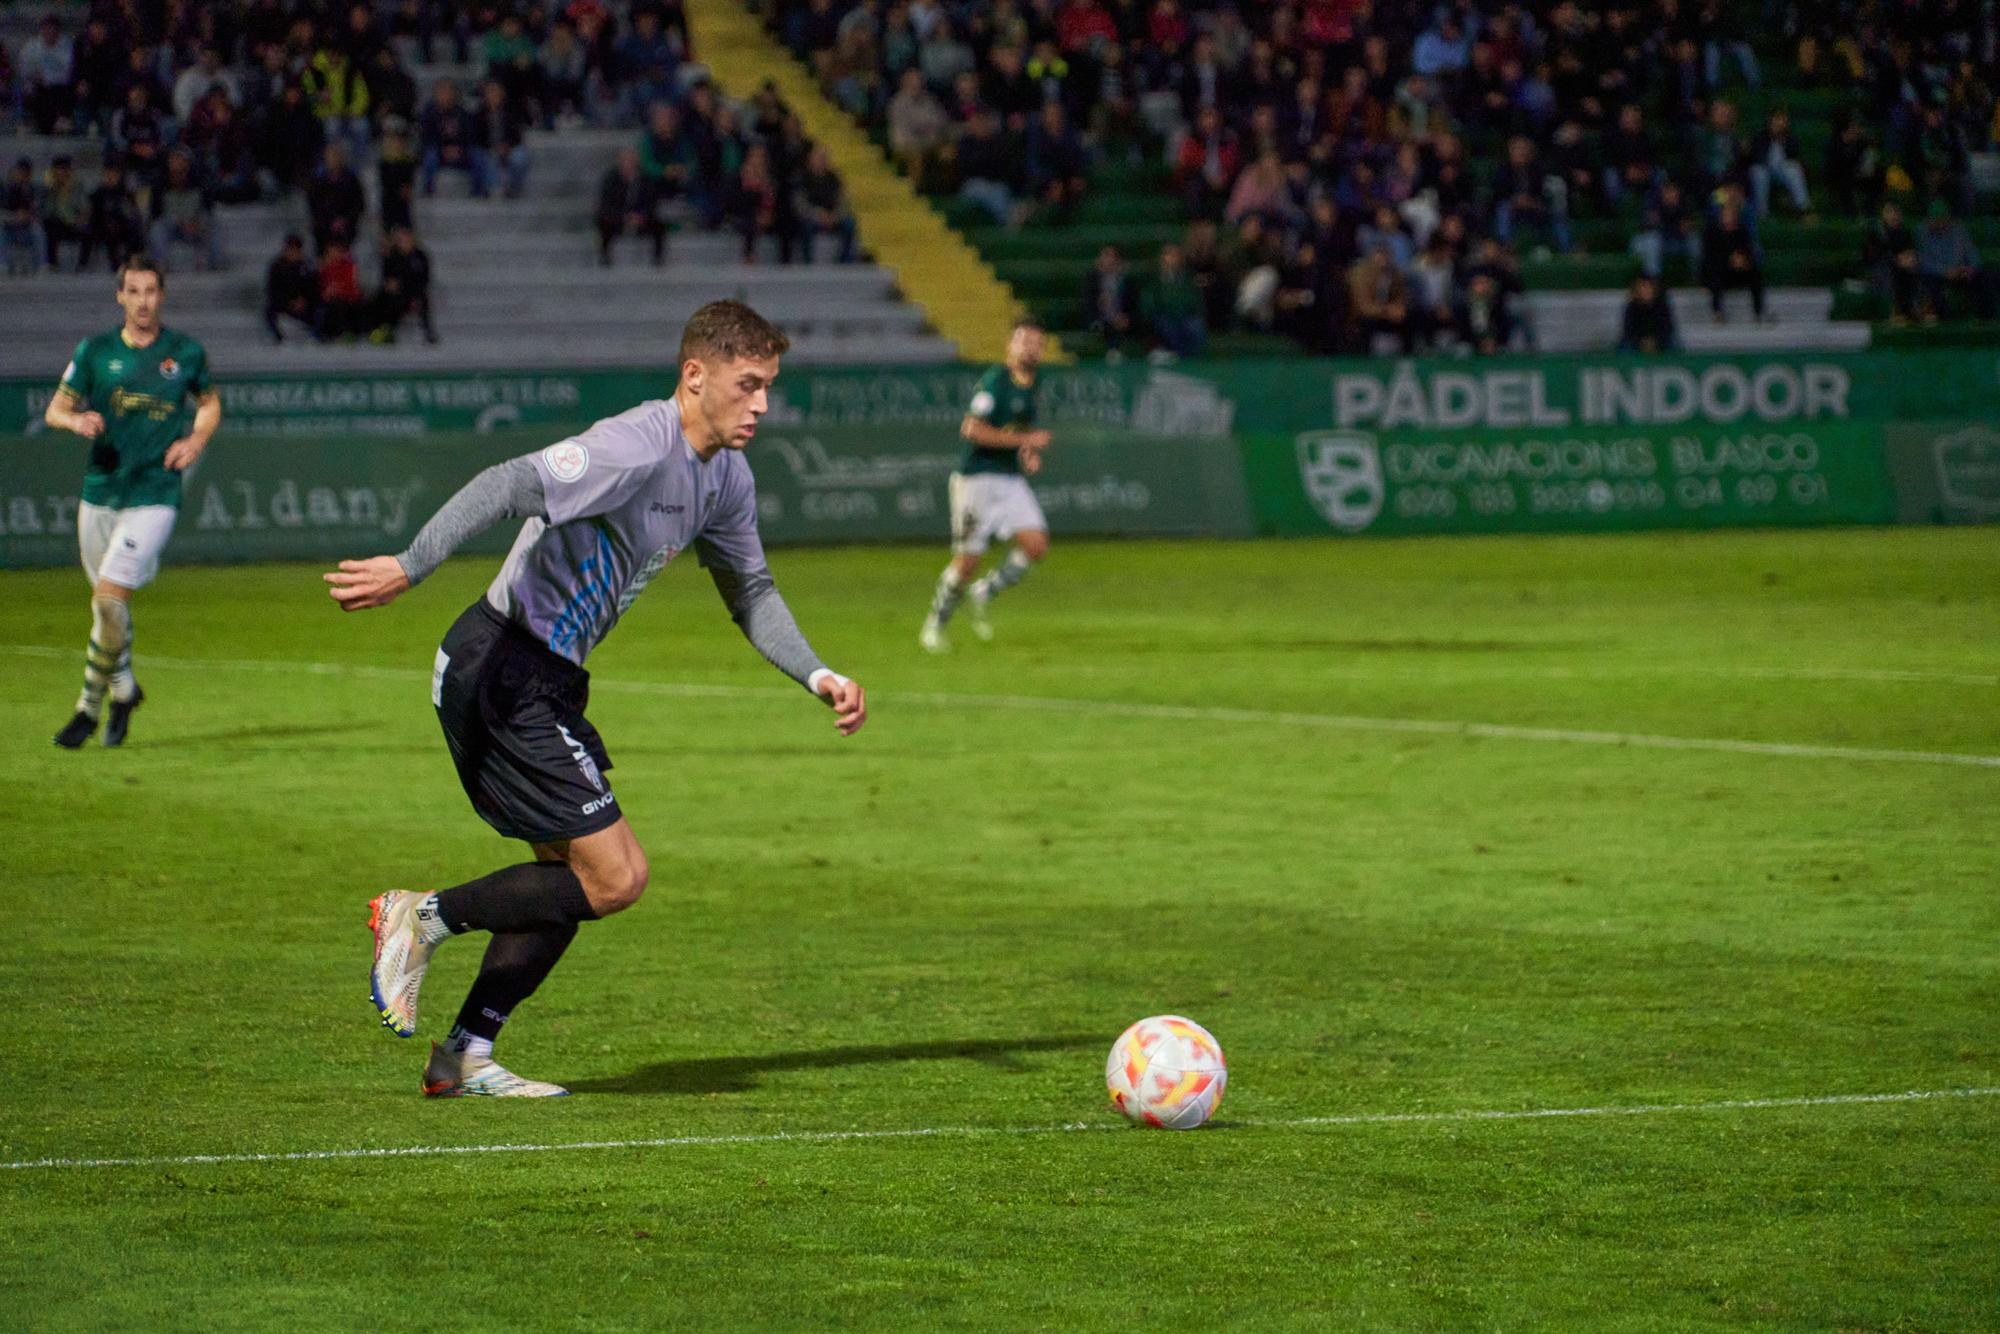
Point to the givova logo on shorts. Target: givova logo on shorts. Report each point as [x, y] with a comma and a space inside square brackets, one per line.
[1342, 473]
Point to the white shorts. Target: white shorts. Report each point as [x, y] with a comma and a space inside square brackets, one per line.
[989, 506]
[123, 546]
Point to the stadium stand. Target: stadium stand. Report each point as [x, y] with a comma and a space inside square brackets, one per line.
[522, 268]
[1556, 129]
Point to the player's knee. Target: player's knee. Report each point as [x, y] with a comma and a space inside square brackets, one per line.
[617, 887]
[1034, 546]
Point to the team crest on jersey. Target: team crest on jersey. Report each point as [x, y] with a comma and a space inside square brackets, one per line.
[169, 368]
[567, 461]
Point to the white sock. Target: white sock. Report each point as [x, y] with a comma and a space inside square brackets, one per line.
[1003, 576]
[110, 636]
[950, 588]
[465, 1044]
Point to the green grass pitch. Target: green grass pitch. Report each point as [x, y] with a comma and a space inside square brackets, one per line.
[942, 923]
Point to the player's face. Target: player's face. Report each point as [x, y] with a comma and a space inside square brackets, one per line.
[734, 394]
[139, 295]
[1024, 349]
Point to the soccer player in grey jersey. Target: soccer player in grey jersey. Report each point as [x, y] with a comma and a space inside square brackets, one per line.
[603, 512]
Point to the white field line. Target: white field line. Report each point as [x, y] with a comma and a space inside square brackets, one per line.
[1121, 709]
[980, 1132]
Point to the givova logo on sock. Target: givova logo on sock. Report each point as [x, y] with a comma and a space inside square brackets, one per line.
[1342, 472]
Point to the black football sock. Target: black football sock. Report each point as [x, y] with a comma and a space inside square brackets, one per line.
[527, 897]
[515, 964]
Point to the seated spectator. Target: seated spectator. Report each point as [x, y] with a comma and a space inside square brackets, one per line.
[201, 78]
[502, 129]
[1378, 302]
[449, 137]
[22, 243]
[1669, 225]
[1304, 305]
[217, 138]
[396, 175]
[334, 197]
[1940, 160]
[647, 63]
[821, 207]
[392, 93]
[341, 311]
[1948, 267]
[65, 209]
[1205, 167]
[114, 221]
[183, 215]
[1573, 169]
[1853, 166]
[1057, 163]
[1774, 154]
[989, 169]
[1721, 155]
[1260, 190]
[1731, 259]
[756, 203]
[288, 141]
[666, 155]
[1434, 283]
[139, 136]
[1484, 320]
[1521, 195]
[48, 68]
[339, 96]
[510, 61]
[628, 204]
[565, 67]
[1889, 253]
[1631, 161]
[1647, 324]
[405, 289]
[1721, 36]
[1108, 304]
[99, 70]
[918, 128]
[1172, 308]
[291, 290]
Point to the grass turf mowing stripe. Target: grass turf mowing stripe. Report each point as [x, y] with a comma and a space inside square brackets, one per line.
[974, 1132]
[1172, 712]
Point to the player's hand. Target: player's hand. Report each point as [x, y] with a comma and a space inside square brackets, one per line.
[375, 582]
[1031, 461]
[89, 425]
[182, 453]
[850, 703]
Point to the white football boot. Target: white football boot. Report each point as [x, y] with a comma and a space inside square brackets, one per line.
[400, 959]
[976, 604]
[932, 636]
[452, 1074]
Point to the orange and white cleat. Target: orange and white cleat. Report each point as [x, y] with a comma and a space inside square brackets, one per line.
[401, 955]
[452, 1074]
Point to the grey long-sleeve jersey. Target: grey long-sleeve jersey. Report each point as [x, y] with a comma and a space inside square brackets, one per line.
[604, 512]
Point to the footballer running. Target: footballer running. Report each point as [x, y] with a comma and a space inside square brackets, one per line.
[130, 392]
[990, 496]
[603, 512]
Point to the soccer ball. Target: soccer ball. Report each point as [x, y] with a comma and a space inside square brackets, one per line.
[1166, 1071]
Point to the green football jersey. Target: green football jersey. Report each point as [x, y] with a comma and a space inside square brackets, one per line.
[146, 396]
[998, 401]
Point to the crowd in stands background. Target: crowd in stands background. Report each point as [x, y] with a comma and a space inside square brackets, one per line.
[1323, 147]
[200, 105]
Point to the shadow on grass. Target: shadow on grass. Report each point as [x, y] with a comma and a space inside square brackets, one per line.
[274, 732]
[736, 1074]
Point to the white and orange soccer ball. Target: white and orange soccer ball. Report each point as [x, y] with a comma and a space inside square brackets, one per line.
[1166, 1071]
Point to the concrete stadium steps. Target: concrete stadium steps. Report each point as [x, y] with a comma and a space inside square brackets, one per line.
[1589, 322]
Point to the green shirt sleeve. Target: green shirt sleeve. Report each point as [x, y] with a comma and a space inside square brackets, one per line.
[986, 397]
[76, 377]
[198, 381]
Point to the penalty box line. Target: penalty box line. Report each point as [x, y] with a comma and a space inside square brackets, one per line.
[980, 1132]
[1123, 709]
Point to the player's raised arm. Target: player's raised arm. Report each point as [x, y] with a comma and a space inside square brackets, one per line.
[733, 554]
[513, 489]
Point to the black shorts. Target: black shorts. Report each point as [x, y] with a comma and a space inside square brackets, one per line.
[512, 712]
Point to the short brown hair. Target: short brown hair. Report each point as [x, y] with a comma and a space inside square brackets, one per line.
[142, 264]
[728, 330]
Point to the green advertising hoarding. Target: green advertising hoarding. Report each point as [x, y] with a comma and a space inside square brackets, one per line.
[1583, 444]
[847, 455]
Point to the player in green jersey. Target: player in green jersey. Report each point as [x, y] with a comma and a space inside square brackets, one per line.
[990, 496]
[131, 392]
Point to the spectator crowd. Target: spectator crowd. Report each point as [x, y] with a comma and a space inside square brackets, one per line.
[1365, 174]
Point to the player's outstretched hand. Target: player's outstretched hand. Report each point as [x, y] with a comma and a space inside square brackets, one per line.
[89, 425]
[850, 704]
[182, 453]
[375, 582]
